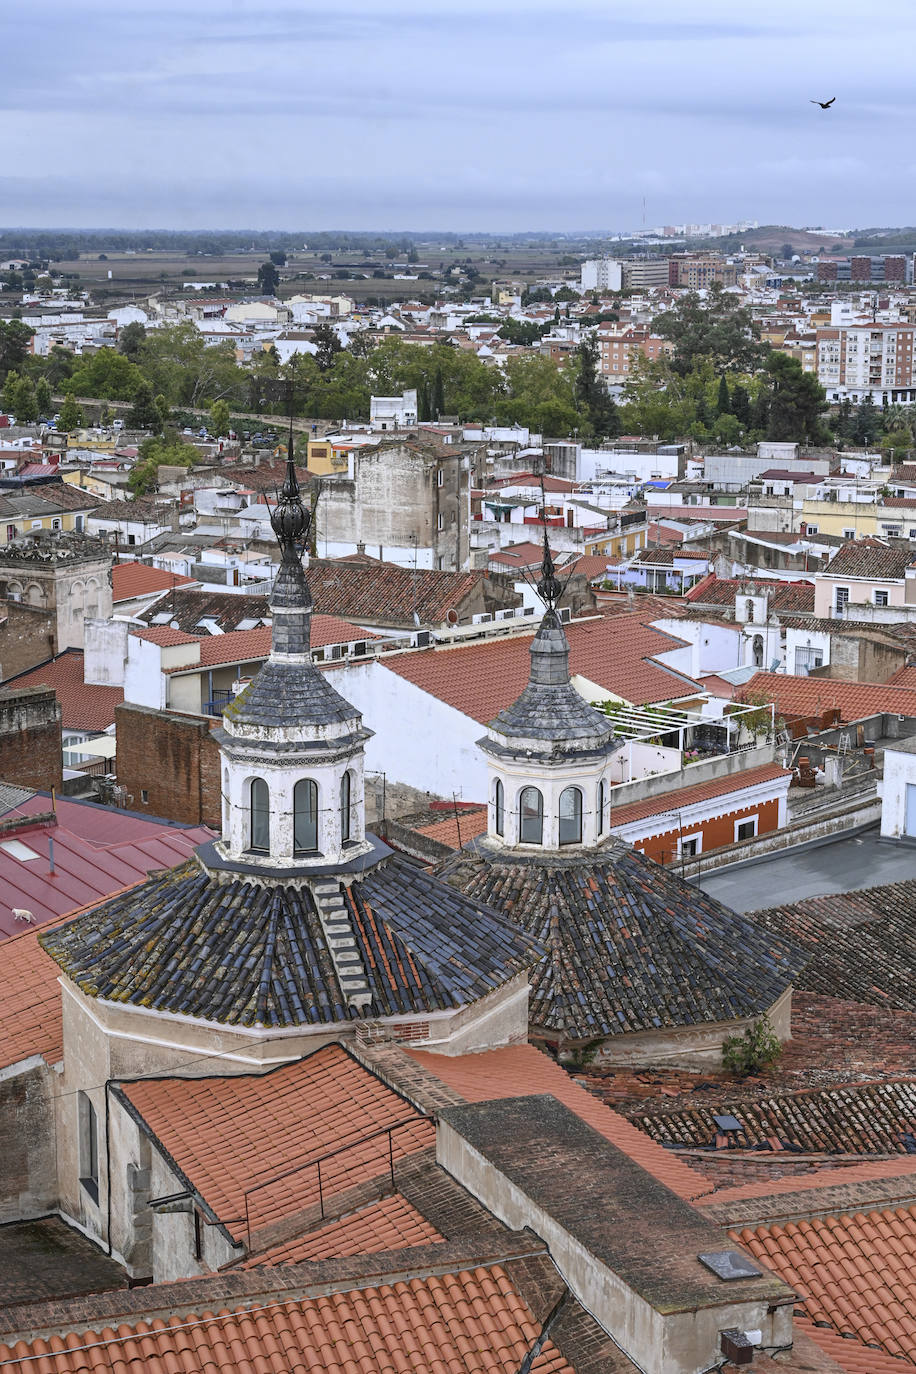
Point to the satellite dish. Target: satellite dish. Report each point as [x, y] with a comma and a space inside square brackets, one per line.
[451, 616]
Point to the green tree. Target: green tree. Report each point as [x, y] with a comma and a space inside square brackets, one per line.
[797, 401]
[268, 279]
[8, 394]
[14, 345]
[143, 413]
[741, 404]
[755, 1050]
[153, 454]
[43, 397]
[592, 396]
[220, 419]
[278, 257]
[717, 327]
[437, 399]
[896, 445]
[107, 375]
[71, 413]
[324, 336]
[162, 410]
[723, 399]
[867, 423]
[25, 406]
[131, 340]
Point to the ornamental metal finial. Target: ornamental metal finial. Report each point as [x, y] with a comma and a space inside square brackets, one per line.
[549, 588]
[289, 518]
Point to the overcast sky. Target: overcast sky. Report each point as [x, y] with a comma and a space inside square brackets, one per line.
[455, 114]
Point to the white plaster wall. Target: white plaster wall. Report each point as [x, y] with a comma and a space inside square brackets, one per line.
[713, 647]
[899, 770]
[419, 740]
[105, 654]
[144, 683]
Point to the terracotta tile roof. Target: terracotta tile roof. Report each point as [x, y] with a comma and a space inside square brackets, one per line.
[791, 597]
[483, 678]
[590, 566]
[166, 635]
[523, 555]
[471, 1321]
[812, 696]
[456, 832]
[858, 943]
[668, 555]
[391, 1224]
[695, 514]
[904, 677]
[523, 1070]
[860, 559]
[250, 1129]
[853, 1272]
[699, 792]
[661, 534]
[248, 646]
[386, 594]
[84, 706]
[846, 1177]
[864, 1118]
[531, 479]
[31, 1021]
[138, 579]
[849, 1355]
[629, 946]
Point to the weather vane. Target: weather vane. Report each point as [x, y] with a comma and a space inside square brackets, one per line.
[549, 588]
[289, 518]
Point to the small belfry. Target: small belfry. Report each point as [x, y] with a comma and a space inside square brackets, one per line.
[548, 754]
[640, 966]
[292, 748]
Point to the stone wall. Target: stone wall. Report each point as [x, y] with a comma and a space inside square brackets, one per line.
[169, 763]
[26, 638]
[30, 738]
[28, 1160]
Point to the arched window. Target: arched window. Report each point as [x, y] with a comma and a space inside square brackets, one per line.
[499, 808]
[531, 816]
[601, 804]
[571, 816]
[259, 826]
[305, 817]
[346, 787]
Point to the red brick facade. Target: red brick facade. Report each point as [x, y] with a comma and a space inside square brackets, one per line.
[30, 738]
[169, 764]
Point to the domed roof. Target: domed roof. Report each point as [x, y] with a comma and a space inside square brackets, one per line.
[631, 946]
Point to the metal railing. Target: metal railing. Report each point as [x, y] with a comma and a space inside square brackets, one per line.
[316, 1165]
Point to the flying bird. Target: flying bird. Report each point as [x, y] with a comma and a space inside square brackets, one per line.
[824, 104]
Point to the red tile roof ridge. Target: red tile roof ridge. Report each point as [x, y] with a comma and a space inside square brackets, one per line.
[236, 1289]
[900, 1166]
[701, 791]
[520, 1070]
[849, 1355]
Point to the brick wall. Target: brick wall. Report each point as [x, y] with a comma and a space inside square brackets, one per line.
[169, 763]
[27, 638]
[30, 738]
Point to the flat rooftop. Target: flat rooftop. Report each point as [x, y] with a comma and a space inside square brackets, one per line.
[632, 1224]
[46, 1259]
[842, 864]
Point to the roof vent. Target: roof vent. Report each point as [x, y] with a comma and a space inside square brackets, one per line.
[730, 1265]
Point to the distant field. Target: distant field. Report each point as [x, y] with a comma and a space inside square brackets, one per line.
[137, 275]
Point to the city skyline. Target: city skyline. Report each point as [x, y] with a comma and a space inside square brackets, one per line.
[377, 115]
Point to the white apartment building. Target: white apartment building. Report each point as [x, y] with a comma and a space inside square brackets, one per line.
[870, 359]
[601, 274]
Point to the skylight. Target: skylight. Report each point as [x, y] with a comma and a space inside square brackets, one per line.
[17, 850]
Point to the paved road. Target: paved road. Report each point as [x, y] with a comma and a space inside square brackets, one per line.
[840, 866]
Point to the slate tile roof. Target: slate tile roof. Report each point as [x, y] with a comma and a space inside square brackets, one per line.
[83, 705]
[250, 1131]
[862, 944]
[523, 1071]
[864, 1118]
[129, 580]
[859, 559]
[386, 594]
[482, 679]
[791, 597]
[473, 1320]
[853, 1272]
[811, 696]
[245, 954]
[630, 946]
[390, 1224]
